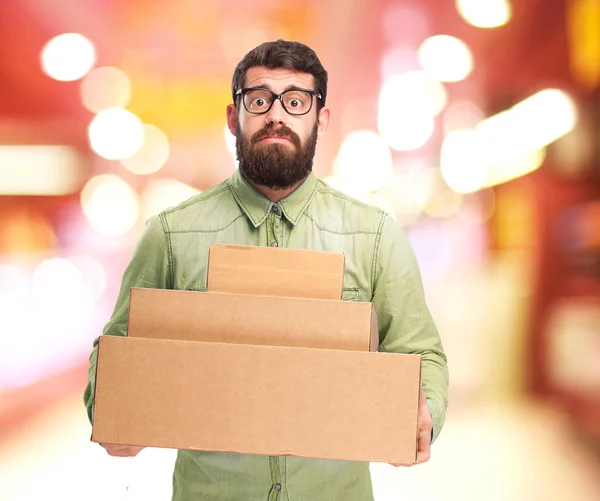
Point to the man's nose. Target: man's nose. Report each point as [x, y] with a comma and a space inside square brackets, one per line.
[277, 115]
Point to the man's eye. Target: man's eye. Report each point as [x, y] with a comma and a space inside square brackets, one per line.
[259, 102]
[294, 103]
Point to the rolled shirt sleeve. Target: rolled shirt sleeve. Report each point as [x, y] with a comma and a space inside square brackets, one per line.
[405, 323]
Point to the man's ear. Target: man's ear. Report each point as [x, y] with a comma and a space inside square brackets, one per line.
[232, 118]
[323, 122]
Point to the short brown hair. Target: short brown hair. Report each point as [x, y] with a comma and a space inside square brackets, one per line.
[283, 54]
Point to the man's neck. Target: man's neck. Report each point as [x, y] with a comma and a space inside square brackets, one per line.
[273, 194]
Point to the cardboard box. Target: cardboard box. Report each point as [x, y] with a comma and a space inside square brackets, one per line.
[268, 271]
[249, 319]
[267, 400]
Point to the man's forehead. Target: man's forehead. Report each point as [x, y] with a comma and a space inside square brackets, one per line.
[279, 77]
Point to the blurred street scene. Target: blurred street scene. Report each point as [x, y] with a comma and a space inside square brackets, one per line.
[474, 123]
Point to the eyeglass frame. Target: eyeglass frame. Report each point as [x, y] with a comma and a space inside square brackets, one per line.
[313, 93]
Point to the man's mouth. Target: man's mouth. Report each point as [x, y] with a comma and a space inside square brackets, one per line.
[274, 139]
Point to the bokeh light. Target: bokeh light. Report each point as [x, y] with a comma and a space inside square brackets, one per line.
[467, 165]
[462, 163]
[13, 288]
[477, 208]
[160, 194]
[105, 88]
[461, 115]
[398, 60]
[14, 292]
[400, 193]
[545, 117]
[507, 145]
[443, 202]
[52, 278]
[57, 292]
[68, 57]
[415, 91]
[446, 58]
[40, 170]
[92, 273]
[110, 204]
[485, 13]
[408, 102]
[116, 134]
[506, 169]
[405, 132]
[60, 307]
[381, 201]
[574, 153]
[364, 162]
[153, 153]
[528, 126]
[421, 179]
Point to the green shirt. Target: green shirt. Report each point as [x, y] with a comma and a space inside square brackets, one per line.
[380, 267]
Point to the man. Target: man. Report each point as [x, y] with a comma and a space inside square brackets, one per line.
[279, 91]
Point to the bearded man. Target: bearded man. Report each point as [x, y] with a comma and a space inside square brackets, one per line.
[278, 113]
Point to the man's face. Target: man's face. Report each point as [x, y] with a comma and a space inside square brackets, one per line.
[276, 149]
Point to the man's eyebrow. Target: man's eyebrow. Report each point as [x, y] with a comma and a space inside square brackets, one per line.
[289, 87]
[295, 87]
[262, 86]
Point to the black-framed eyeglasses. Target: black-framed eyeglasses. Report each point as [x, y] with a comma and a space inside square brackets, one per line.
[258, 100]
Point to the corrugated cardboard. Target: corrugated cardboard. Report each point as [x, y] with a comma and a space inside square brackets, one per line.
[267, 400]
[249, 319]
[268, 271]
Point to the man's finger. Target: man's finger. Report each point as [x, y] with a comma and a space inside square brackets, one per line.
[123, 453]
[121, 450]
[117, 453]
[424, 446]
[422, 457]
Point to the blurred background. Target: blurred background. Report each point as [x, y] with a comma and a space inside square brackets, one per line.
[474, 123]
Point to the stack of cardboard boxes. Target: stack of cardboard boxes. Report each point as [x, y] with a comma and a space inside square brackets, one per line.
[269, 360]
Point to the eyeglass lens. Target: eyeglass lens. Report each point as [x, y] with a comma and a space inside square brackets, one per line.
[295, 102]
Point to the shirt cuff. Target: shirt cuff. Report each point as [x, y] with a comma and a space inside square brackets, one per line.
[437, 415]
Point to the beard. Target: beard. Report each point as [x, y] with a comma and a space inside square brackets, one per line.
[273, 165]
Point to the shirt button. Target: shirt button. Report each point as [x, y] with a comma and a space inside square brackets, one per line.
[277, 487]
[274, 244]
[275, 209]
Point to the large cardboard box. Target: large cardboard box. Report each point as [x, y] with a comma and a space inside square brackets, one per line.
[245, 269]
[250, 319]
[331, 404]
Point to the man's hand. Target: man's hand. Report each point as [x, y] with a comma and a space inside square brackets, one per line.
[424, 430]
[123, 451]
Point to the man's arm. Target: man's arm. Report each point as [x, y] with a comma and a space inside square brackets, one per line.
[148, 267]
[405, 324]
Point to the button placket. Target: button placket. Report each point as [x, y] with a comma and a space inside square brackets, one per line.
[274, 491]
[276, 224]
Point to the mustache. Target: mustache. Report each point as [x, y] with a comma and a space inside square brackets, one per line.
[269, 131]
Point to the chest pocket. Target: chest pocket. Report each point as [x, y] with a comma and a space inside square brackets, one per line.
[350, 294]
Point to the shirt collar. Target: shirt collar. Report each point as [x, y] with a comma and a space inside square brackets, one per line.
[257, 207]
